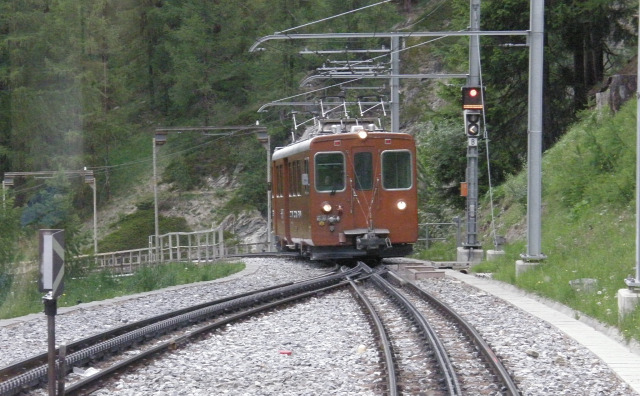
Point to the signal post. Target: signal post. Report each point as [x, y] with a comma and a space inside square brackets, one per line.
[472, 107]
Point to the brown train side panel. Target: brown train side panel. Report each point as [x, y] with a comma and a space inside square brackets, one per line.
[290, 199]
[280, 200]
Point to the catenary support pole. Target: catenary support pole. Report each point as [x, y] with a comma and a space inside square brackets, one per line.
[631, 282]
[534, 161]
[95, 217]
[155, 201]
[395, 84]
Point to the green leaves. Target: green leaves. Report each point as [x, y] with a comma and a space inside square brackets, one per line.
[594, 162]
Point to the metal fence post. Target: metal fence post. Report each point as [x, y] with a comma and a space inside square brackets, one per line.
[458, 231]
[426, 238]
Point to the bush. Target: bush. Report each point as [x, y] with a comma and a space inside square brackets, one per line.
[133, 230]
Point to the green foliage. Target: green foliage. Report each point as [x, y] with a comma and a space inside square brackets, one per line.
[577, 37]
[211, 157]
[133, 230]
[181, 174]
[512, 191]
[82, 83]
[597, 160]
[588, 221]
[438, 251]
[9, 235]
[52, 208]
[441, 163]
[24, 298]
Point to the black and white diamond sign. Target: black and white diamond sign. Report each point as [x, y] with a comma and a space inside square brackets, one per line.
[51, 262]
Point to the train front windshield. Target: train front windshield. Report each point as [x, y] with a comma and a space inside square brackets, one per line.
[363, 170]
[329, 172]
[396, 170]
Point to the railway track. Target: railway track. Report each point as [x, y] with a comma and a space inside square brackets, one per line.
[409, 363]
[32, 372]
[463, 343]
[414, 359]
[36, 361]
[439, 341]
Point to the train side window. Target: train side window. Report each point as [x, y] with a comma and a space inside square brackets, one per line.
[329, 172]
[280, 184]
[363, 170]
[298, 178]
[274, 182]
[292, 179]
[305, 177]
[396, 170]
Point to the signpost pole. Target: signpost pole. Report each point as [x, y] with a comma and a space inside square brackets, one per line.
[51, 281]
[50, 309]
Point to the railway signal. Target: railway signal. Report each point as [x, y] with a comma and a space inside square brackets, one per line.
[472, 98]
[472, 123]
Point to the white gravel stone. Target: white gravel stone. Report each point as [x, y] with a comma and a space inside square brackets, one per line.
[543, 359]
[321, 347]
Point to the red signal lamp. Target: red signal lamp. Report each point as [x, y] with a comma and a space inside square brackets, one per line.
[472, 98]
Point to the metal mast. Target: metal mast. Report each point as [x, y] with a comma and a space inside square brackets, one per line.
[534, 158]
[395, 84]
[472, 143]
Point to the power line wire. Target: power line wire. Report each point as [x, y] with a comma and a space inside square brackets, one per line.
[332, 17]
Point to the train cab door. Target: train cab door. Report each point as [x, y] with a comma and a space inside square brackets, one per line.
[363, 185]
[286, 207]
[281, 201]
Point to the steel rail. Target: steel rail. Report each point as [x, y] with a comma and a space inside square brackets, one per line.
[40, 359]
[448, 371]
[489, 356]
[383, 339]
[38, 375]
[88, 384]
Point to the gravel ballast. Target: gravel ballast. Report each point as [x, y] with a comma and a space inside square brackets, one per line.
[321, 347]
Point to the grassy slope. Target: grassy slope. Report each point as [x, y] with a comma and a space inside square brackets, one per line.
[25, 299]
[588, 226]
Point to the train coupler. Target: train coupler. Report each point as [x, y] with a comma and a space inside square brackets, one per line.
[371, 241]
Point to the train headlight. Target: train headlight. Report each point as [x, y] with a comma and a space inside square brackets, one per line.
[326, 207]
[362, 134]
[401, 204]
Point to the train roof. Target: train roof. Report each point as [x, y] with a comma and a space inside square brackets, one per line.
[330, 126]
[305, 145]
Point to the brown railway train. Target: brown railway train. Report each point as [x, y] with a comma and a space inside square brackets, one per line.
[346, 190]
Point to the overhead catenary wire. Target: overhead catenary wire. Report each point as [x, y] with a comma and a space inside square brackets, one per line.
[332, 17]
[354, 63]
[485, 135]
[103, 169]
[435, 8]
